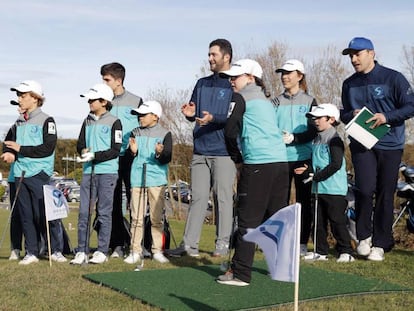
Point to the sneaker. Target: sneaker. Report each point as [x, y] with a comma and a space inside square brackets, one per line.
[160, 258]
[28, 259]
[345, 258]
[376, 254]
[118, 252]
[229, 279]
[98, 258]
[79, 259]
[220, 252]
[58, 257]
[176, 252]
[364, 247]
[315, 256]
[132, 258]
[15, 254]
[303, 250]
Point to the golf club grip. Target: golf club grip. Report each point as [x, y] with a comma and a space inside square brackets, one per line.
[144, 175]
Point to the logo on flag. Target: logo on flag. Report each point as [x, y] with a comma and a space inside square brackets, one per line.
[278, 237]
[56, 206]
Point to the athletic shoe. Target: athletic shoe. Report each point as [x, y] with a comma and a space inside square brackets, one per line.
[58, 257]
[132, 258]
[376, 254]
[229, 279]
[364, 247]
[220, 252]
[345, 258]
[98, 258]
[15, 254]
[160, 258]
[28, 259]
[181, 251]
[315, 256]
[117, 253]
[303, 249]
[176, 252]
[79, 259]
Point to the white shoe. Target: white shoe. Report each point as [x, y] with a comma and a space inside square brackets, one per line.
[303, 249]
[98, 258]
[160, 258]
[28, 259]
[344, 257]
[118, 252]
[132, 258]
[15, 254]
[364, 247]
[315, 256]
[376, 254]
[58, 257]
[79, 259]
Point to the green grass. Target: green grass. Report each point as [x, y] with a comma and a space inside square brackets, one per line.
[61, 287]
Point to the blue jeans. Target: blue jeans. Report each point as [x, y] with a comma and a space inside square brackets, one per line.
[98, 190]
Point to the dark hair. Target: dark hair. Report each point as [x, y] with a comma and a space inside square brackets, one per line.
[224, 45]
[116, 70]
[108, 105]
[259, 82]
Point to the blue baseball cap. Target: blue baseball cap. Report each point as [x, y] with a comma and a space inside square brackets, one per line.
[358, 44]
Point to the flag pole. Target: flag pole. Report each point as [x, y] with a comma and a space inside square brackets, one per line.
[48, 243]
[297, 256]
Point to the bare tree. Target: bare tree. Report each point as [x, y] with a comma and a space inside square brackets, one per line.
[173, 120]
[325, 76]
[271, 59]
[408, 63]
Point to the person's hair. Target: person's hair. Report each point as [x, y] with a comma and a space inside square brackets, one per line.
[116, 70]
[259, 82]
[108, 105]
[224, 45]
[302, 83]
[40, 100]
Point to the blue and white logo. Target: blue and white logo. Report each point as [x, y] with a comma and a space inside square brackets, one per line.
[57, 198]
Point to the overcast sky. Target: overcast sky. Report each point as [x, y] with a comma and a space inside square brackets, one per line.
[62, 44]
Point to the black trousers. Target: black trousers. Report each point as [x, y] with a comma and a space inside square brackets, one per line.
[262, 191]
[332, 208]
[120, 235]
[376, 175]
[303, 196]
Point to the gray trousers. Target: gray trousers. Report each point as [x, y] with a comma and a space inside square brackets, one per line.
[217, 173]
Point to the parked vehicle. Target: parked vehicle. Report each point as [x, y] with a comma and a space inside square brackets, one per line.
[73, 194]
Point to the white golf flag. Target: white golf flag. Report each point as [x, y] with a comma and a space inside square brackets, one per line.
[56, 206]
[278, 237]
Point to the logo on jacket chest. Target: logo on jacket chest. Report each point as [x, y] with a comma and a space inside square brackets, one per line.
[378, 92]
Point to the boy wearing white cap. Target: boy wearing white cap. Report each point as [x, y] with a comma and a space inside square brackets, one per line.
[98, 144]
[151, 146]
[30, 145]
[329, 177]
[261, 162]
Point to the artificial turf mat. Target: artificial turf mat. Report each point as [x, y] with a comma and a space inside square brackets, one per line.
[194, 288]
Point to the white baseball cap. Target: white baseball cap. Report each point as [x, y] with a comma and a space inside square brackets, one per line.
[324, 110]
[292, 65]
[150, 106]
[29, 86]
[244, 66]
[100, 90]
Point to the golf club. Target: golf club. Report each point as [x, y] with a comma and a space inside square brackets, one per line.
[90, 210]
[12, 208]
[144, 208]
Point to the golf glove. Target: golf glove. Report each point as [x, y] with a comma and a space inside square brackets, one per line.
[86, 157]
[288, 137]
[309, 179]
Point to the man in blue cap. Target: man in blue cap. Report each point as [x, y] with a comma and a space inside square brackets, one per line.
[387, 94]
